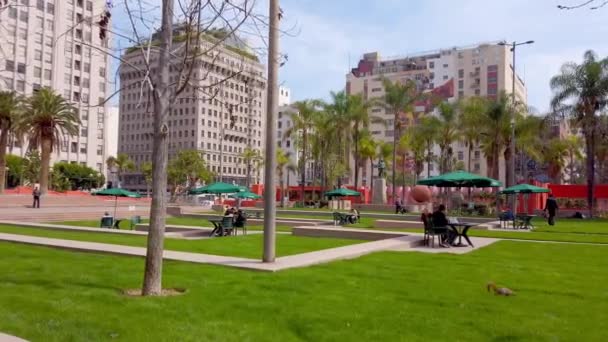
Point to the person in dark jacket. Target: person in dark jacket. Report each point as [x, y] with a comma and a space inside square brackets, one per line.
[551, 209]
[36, 195]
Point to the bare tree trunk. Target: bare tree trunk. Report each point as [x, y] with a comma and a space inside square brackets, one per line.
[303, 175]
[395, 128]
[371, 180]
[45, 163]
[154, 254]
[3, 144]
[589, 150]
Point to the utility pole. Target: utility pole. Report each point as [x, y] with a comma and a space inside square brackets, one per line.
[272, 102]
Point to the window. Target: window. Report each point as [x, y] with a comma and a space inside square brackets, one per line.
[460, 155]
[12, 12]
[77, 65]
[21, 68]
[83, 148]
[84, 131]
[77, 81]
[48, 57]
[460, 84]
[78, 49]
[79, 3]
[38, 38]
[68, 62]
[23, 16]
[87, 67]
[85, 82]
[461, 73]
[78, 33]
[84, 115]
[50, 8]
[49, 24]
[445, 65]
[492, 68]
[20, 85]
[40, 5]
[476, 167]
[431, 65]
[22, 33]
[38, 55]
[374, 90]
[9, 65]
[37, 72]
[102, 72]
[76, 96]
[99, 150]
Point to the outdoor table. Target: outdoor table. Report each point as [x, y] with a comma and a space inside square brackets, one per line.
[218, 228]
[525, 221]
[461, 230]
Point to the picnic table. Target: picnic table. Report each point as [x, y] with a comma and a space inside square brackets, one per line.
[223, 226]
[344, 218]
[524, 221]
[461, 230]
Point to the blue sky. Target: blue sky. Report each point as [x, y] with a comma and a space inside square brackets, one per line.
[330, 33]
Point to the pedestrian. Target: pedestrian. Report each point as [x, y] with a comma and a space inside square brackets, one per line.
[36, 194]
[398, 206]
[551, 209]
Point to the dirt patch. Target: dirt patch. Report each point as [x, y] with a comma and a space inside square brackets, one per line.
[165, 292]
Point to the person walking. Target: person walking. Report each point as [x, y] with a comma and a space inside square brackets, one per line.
[36, 194]
[551, 209]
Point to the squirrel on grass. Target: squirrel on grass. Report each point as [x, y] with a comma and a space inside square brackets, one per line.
[499, 291]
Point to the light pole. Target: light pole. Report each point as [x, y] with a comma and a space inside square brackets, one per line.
[513, 45]
[272, 102]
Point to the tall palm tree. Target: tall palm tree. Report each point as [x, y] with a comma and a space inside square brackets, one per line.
[339, 115]
[472, 109]
[368, 151]
[121, 163]
[10, 107]
[429, 130]
[360, 120]
[399, 98]
[554, 155]
[449, 120]
[494, 127]
[47, 118]
[580, 90]
[574, 146]
[414, 141]
[303, 125]
[249, 156]
[284, 162]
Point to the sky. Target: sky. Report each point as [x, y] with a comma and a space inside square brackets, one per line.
[326, 37]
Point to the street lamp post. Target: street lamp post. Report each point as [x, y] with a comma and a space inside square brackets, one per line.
[513, 45]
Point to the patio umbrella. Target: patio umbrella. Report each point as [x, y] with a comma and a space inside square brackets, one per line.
[245, 195]
[460, 179]
[216, 188]
[116, 192]
[523, 189]
[342, 193]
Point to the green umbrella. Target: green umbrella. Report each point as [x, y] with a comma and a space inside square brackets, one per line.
[245, 195]
[523, 189]
[216, 188]
[460, 179]
[342, 192]
[116, 192]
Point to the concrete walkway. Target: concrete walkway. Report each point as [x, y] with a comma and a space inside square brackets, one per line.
[9, 338]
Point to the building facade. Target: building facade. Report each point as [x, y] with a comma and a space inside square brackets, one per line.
[483, 69]
[219, 114]
[56, 44]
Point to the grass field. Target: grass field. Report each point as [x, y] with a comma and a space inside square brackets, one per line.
[249, 246]
[180, 221]
[55, 295]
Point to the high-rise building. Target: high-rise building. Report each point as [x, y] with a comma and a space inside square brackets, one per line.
[483, 69]
[56, 43]
[218, 114]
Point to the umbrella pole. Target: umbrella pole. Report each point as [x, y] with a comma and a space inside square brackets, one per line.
[115, 204]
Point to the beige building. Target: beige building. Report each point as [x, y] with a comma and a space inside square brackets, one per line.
[218, 118]
[55, 43]
[484, 70]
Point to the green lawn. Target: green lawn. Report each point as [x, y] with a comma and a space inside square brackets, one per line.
[56, 295]
[180, 221]
[249, 246]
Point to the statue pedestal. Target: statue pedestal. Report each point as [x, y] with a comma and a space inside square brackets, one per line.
[379, 194]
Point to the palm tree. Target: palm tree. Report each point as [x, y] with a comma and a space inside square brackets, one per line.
[46, 120]
[574, 146]
[249, 156]
[447, 133]
[494, 127]
[555, 154]
[414, 141]
[429, 130]
[284, 162]
[303, 125]
[360, 120]
[472, 109]
[399, 98]
[122, 163]
[10, 107]
[580, 90]
[368, 151]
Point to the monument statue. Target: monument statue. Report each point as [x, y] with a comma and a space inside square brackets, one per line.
[381, 167]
